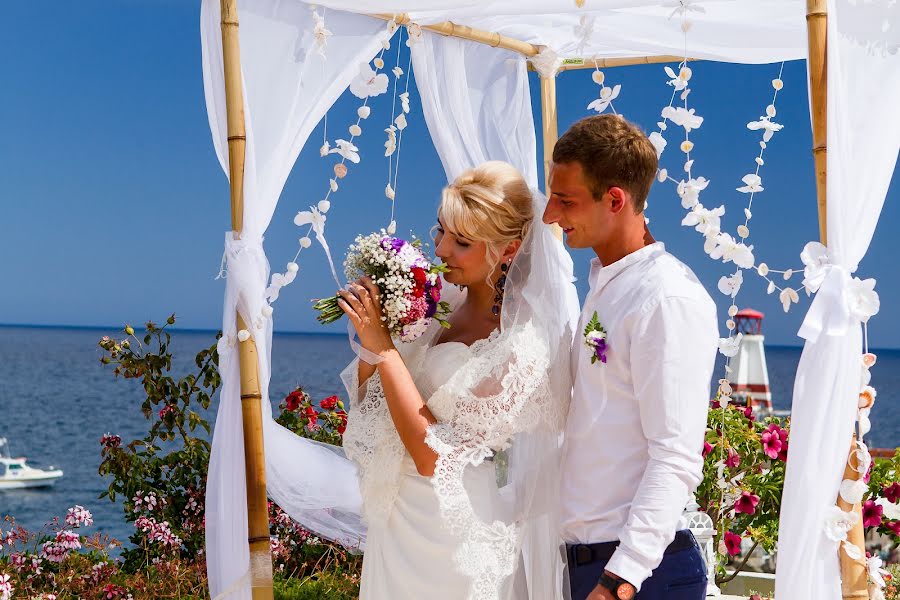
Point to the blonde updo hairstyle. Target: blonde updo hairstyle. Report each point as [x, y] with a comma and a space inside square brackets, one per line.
[490, 203]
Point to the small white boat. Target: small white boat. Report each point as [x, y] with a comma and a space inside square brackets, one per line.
[16, 473]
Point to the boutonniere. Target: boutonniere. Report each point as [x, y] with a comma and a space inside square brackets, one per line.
[595, 339]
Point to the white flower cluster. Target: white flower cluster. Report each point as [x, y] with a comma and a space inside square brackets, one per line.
[392, 271]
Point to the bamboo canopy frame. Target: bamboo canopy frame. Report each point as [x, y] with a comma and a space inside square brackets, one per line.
[853, 572]
[251, 397]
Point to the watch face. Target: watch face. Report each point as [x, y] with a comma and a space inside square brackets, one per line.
[625, 592]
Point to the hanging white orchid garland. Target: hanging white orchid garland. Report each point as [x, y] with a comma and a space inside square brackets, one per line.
[370, 82]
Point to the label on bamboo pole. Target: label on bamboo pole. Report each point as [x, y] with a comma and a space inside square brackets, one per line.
[573, 62]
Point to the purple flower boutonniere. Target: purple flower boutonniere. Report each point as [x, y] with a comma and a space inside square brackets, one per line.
[595, 339]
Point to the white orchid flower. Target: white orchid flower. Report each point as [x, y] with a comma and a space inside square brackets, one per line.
[404, 102]
[862, 298]
[659, 142]
[347, 150]
[838, 523]
[583, 32]
[311, 217]
[320, 34]
[390, 146]
[854, 553]
[683, 117]
[730, 286]
[729, 250]
[679, 83]
[279, 280]
[768, 126]
[876, 573]
[705, 220]
[414, 34]
[787, 297]
[684, 6]
[607, 95]
[853, 490]
[729, 346]
[689, 191]
[753, 183]
[816, 260]
[367, 83]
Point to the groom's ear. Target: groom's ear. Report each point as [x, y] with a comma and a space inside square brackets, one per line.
[618, 199]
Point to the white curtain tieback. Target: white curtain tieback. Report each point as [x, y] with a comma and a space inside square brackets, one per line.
[841, 300]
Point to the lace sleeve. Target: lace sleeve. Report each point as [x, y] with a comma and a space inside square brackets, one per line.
[503, 390]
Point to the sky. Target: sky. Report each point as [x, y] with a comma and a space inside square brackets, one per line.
[114, 206]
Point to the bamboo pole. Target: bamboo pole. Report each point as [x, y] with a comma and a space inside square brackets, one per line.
[251, 397]
[816, 22]
[550, 128]
[854, 575]
[572, 64]
[465, 32]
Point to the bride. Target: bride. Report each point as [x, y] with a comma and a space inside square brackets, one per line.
[456, 436]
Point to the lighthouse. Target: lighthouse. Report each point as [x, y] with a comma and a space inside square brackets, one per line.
[749, 376]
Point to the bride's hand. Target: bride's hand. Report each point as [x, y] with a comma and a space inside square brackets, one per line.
[361, 302]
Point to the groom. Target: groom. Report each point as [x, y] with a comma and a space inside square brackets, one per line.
[642, 361]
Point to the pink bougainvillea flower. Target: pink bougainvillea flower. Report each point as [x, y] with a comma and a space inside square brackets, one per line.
[734, 459]
[892, 492]
[707, 448]
[893, 526]
[771, 442]
[732, 543]
[746, 503]
[871, 513]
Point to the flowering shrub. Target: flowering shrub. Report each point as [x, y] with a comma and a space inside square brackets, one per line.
[60, 563]
[325, 424]
[743, 475]
[162, 477]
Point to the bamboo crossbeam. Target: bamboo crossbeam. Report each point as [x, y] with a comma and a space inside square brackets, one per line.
[251, 397]
[450, 29]
[572, 64]
[816, 22]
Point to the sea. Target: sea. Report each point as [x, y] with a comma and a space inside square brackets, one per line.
[57, 400]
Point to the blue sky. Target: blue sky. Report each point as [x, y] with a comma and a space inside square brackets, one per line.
[114, 206]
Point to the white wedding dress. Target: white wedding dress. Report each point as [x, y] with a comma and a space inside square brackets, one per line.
[410, 552]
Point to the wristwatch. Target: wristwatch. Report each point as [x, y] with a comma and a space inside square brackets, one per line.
[617, 586]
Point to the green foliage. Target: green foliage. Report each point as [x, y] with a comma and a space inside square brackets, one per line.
[736, 465]
[327, 585]
[162, 476]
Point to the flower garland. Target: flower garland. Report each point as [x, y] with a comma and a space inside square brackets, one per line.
[370, 82]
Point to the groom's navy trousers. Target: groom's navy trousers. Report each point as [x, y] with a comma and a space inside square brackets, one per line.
[680, 576]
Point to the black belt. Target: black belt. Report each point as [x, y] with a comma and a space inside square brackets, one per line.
[585, 554]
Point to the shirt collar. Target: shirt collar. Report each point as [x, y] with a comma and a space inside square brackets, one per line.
[601, 275]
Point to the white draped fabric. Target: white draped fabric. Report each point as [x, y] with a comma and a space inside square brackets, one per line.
[476, 103]
[288, 88]
[863, 141]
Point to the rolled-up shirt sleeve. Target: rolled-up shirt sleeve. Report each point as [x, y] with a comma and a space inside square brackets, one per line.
[673, 350]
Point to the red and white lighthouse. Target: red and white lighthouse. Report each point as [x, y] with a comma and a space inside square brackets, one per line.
[749, 376]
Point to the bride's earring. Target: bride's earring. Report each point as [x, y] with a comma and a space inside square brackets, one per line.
[501, 283]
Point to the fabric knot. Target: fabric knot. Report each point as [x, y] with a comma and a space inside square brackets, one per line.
[841, 300]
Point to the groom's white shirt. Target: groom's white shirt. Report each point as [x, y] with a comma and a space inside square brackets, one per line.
[635, 429]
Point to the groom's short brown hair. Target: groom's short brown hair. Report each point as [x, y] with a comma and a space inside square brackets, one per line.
[611, 152]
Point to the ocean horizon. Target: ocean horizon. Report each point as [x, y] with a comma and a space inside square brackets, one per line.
[58, 401]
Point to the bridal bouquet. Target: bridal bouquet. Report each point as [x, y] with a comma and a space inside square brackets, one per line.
[409, 284]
